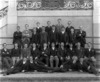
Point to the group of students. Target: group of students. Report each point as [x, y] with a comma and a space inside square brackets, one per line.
[49, 49]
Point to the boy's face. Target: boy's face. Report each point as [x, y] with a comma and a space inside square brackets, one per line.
[63, 29]
[71, 45]
[62, 44]
[69, 23]
[45, 45]
[24, 59]
[59, 20]
[31, 58]
[53, 45]
[18, 28]
[80, 28]
[78, 44]
[53, 28]
[81, 59]
[48, 23]
[25, 45]
[16, 45]
[38, 24]
[34, 29]
[34, 45]
[43, 29]
[26, 26]
[4, 45]
[75, 58]
[72, 30]
[89, 45]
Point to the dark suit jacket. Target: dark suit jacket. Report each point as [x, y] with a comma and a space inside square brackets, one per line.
[53, 37]
[90, 53]
[53, 52]
[72, 38]
[35, 53]
[43, 37]
[63, 37]
[82, 66]
[35, 38]
[62, 52]
[25, 52]
[39, 30]
[5, 53]
[80, 37]
[45, 53]
[59, 27]
[16, 52]
[68, 29]
[71, 53]
[48, 29]
[80, 52]
[17, 37]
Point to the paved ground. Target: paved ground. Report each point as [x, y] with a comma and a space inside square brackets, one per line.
[50, 77]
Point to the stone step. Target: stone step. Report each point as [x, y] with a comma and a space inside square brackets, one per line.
[50, 77]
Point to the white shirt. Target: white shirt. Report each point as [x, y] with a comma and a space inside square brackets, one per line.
[53, 31]
[63, 32]
[34, 48]
[38, 27]
[71, 48]
[89, 49]
[53, 48]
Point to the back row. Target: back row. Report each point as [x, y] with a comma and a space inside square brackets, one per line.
[50, 34]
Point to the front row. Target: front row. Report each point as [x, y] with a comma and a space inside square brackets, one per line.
[50, 59]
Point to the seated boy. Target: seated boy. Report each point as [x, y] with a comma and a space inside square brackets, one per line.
[45, 54]
[20, 66]
[16, 53]
[53, 56]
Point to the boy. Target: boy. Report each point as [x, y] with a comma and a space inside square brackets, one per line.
[15, 53]
[35, 53]
[90, 52]
[43, 36]
[53, 35]
[25, 52]
[53, 56]
[48, 28]
[59, 26]
[6, 57]
[69, 27]
[38, 28]
[38, 31]
[26, 34]
[62, 53]
[79, 51]
[17, 37]
[72, 37]
[63, 37]
[87, 66]
[45, 54]
[37, 65]
[20, 66]
[81, 37]
[35, 37]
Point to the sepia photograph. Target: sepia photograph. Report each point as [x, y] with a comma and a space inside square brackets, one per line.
[49, 40]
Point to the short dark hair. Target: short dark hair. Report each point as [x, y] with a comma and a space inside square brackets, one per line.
[59, 19]
[26, 24]
[53, 25]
